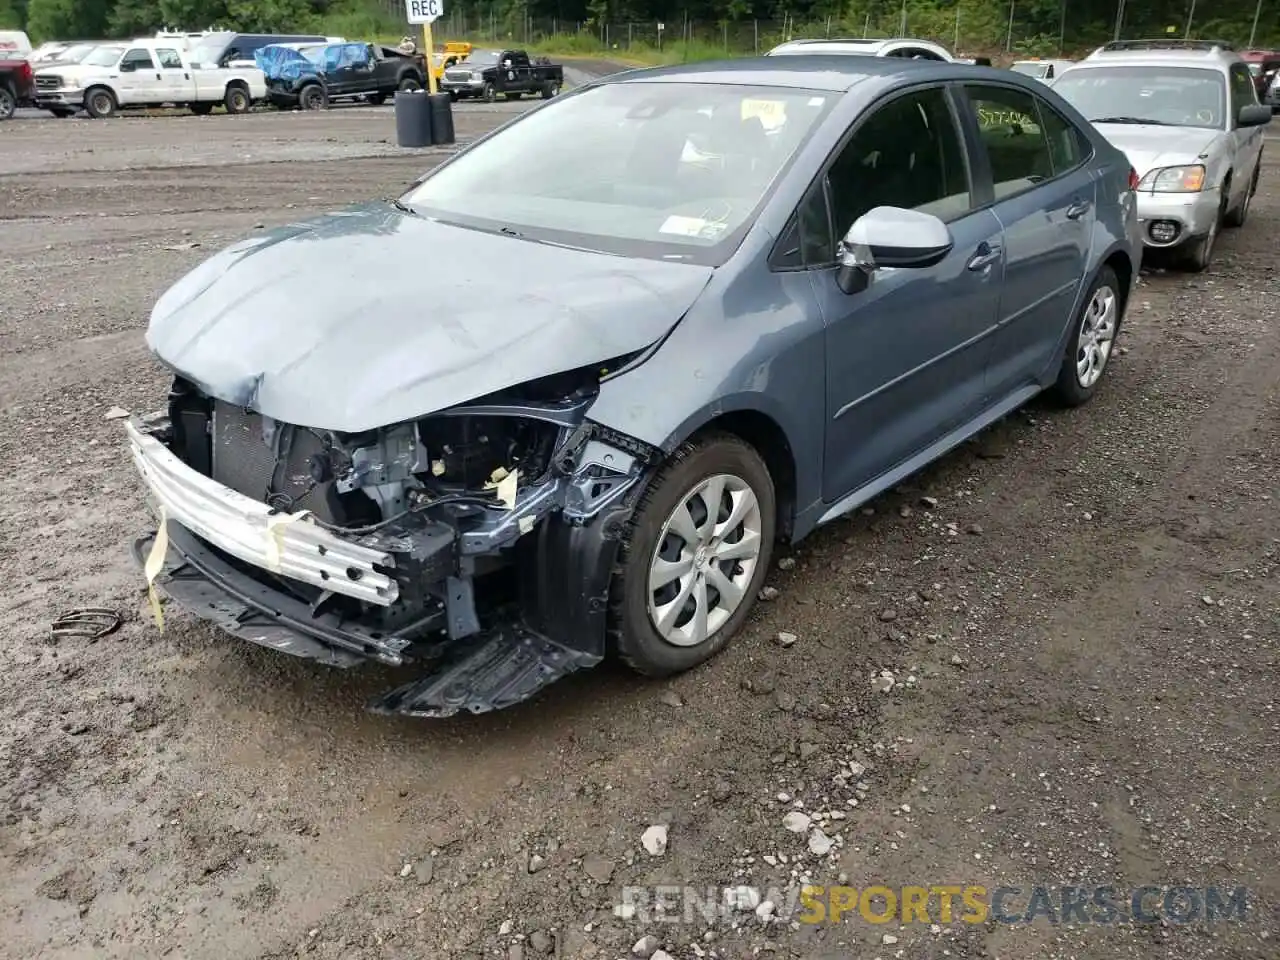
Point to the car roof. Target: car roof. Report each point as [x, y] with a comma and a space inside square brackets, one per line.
[1211, 54]
[818, 71]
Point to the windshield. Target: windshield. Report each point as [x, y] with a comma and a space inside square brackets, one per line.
[76, 53]
[1167, 96]
[665, 170]
[482, 58]
[103, 56]
[209, 49]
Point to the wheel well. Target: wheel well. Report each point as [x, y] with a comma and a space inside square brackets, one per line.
[1123, 267]
[237, 84]
[768, 439]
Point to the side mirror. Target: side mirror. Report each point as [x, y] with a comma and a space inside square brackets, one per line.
[889, 237]
[127, 66]
[1254, 115]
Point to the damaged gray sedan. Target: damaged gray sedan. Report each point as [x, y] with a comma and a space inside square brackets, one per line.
[528, 414]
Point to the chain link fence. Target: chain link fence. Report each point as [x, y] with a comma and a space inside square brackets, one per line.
[970, 29]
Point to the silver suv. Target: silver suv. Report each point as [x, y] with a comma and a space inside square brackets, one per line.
[1186, 113]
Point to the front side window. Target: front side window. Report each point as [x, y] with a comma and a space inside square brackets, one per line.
[139, 58]
[906, 154]
[1243, 91]
[1158, 96]
[1017, 149]
[668, 170]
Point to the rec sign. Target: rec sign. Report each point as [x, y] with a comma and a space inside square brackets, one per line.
[423, 11]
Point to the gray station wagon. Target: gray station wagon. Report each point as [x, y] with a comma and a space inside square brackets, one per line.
[579, 409]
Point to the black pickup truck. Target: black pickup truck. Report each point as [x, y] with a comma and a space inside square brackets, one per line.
[487, 73]
[312, 77]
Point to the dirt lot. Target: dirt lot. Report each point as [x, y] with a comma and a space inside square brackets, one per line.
[1081, 624]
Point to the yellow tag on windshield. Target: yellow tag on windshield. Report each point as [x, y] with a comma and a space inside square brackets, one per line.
[772, 113]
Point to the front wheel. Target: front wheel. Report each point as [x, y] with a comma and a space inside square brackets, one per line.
[408, 84]
[489, 93]
[1092, 340]
[1240, 214]
[693, 557]
[99, 102]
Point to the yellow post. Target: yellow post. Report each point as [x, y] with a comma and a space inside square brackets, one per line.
[429, 49]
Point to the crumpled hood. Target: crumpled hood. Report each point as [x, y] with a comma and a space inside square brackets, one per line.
[1151, 147]
[371, 316]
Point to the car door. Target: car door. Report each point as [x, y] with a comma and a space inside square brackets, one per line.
[1247, 141]
[904, 356]
[139, 81]
[1044, 196]
[175, 77]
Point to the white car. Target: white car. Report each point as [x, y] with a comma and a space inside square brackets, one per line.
[144, 73]
[905, 48]
[1186, 113]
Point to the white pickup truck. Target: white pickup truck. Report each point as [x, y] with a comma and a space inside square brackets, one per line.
[144, 73]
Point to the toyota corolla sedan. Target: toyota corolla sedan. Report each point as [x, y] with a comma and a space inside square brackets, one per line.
[580, 409]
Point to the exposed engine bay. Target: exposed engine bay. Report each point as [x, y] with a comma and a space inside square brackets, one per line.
[481, 532]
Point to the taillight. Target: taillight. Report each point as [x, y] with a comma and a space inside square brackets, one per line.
[1134, 179]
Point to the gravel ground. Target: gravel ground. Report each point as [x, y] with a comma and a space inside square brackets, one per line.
[1079, 613]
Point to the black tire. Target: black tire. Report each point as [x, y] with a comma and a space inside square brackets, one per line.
[409, 83]
[313, 97]
[489, 93]
[1197, 254]
[1071, 389]
[8, 103]
[633, 635]
[550, 89]
[237, 99]
[202, 109]
[1237, 217]
[100, 103]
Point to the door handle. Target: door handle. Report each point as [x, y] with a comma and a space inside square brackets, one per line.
[985, 255]
[1078, 209]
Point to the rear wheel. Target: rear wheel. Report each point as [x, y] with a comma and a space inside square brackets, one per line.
[1092, 341]
[8, 103]
[409, 83]
[550, 89]
[100, 102]
[693, 556]
[236, 100]
[312, 97]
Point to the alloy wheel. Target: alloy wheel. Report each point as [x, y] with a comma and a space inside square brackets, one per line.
[704, 560]
[1097, 336]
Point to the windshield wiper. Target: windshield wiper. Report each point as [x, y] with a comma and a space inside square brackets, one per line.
[403, 207]
[1154, 123]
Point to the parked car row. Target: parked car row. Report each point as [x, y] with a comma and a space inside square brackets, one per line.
[202, 70]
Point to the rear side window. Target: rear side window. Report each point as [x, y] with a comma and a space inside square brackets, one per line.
[906, 154]
[1068, 147]
[1016, 145]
